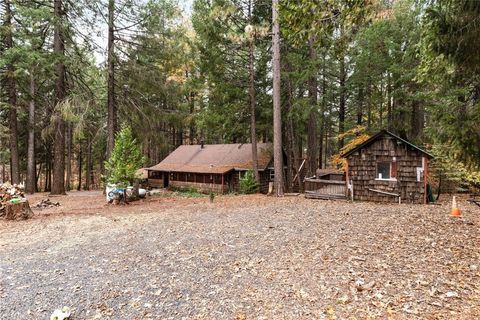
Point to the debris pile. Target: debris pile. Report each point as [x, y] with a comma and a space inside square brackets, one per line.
[9, 192]
[46, 203]
[13, 204]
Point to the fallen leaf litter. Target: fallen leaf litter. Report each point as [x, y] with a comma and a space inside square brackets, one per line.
[244, 257]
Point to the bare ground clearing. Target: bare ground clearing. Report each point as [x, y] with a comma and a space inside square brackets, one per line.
[241, 257]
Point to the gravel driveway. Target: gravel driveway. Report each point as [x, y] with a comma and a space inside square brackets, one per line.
[241, 257]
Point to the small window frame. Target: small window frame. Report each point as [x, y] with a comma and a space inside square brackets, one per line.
[392, 171]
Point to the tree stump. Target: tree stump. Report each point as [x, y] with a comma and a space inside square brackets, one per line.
[17, 211]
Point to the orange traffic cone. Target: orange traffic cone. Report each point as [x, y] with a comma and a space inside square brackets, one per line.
[455, 211]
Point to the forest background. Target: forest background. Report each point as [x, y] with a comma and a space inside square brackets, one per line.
[73, 72]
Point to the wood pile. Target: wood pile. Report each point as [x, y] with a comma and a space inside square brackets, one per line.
[46, 203]
[13, 205]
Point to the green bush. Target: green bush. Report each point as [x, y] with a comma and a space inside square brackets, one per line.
[248, 184]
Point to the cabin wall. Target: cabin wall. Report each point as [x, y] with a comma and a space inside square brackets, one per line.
[203, 182]
[206, 182]
[362, 171]
[155, 179]
[201, 187]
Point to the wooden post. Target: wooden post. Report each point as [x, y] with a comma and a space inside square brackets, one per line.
[352, 189]
[425, 172]
[223, 189]
[346, 181]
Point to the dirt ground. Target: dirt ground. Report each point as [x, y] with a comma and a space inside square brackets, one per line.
[240, 257]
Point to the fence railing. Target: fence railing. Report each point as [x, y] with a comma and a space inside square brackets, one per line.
[325, 189]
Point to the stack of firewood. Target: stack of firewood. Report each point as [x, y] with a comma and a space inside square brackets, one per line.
[13, 205]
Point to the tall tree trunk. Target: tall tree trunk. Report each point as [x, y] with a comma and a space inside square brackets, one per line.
[341, 109]
[252, 98]
[58, 183]
[297, 154]
[277, 111]
[12, 98]
[290, 160]
[389, 102]
[360, 106]
[369, 106]
[321, 149]
[289, 134]
[179, 139]
[381, 103]
[31, 175]
[80, 164]
[417, 120]
[112, 107]
[191, 131]
[88, 165]
[48, 168]
[312, 130]
[69, 157]
[37, 176]
[328, 132]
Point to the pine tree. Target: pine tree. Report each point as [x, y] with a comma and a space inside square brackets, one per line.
[125, 160]
[58, 182]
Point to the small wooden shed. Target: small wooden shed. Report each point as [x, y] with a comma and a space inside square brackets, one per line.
[212, 167]
[387, 168]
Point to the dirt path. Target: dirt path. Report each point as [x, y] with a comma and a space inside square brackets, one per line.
[240, 257]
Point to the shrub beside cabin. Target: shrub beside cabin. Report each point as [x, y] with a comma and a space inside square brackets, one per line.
[211, 167]
[387, 168]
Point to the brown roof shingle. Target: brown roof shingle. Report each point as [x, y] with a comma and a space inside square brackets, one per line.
[214, 158]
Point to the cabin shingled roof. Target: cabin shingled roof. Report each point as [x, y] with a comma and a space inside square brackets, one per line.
[378, 135]
[214, 158]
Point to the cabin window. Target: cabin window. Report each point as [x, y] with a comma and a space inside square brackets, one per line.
[155, 174]
[272, 175]
[386, 170]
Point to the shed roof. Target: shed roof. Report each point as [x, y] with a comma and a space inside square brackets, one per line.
[327, 171]
[214, 158]
[380, 134]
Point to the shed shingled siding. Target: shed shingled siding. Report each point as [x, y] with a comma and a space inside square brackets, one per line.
[362, 170]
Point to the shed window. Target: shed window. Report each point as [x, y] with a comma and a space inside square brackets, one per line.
[386, 170]
[383, 170]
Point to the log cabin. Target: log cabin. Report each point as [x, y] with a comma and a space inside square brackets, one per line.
[387, 168]
[212, 167]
